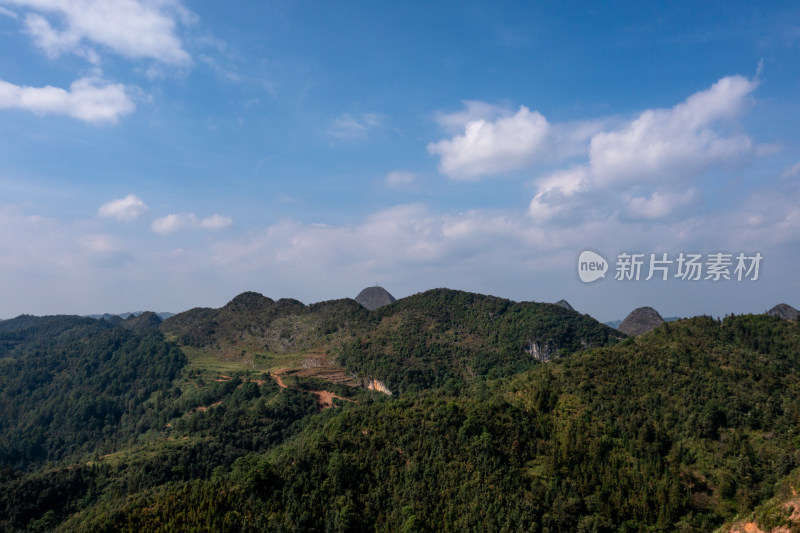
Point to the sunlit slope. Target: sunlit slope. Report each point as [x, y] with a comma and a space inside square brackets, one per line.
[417, 342]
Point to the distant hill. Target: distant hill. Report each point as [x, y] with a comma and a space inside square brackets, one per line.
[108, 316]
[255, 324]
[784, 311]
[615, 323]
[565, 305]
[425, 339]
[147, 321]
[640, 321]
[417, 342]
[374, 297]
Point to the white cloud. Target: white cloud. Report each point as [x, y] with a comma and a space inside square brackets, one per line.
[126, 209]
[644, 170]
[216, 222]
[174, 222]
[188, 221]
[659, 204]
[557, 193]
[677, 143]
[8, 13]
[473, 111]
[47, 38]
[674, 143]
[400, 178]
[88, 99]
[398, 239]
[349, 127]
[134, 29]
[486, 147]
[52, 266]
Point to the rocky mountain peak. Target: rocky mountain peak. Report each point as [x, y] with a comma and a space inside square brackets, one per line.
[374, 297]
[640, 321]
[784, 311]
[565, 305]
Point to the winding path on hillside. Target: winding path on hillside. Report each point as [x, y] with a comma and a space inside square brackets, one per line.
[324, 398]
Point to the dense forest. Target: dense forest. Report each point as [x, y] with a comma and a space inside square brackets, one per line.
[418, 342]
[211, 420]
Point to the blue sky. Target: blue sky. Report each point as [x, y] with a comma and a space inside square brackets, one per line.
[165, 155]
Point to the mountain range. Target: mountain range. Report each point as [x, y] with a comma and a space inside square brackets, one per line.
[445, 410]
[108, 316]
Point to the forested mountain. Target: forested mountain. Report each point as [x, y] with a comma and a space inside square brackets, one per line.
[72, 385]
[216, 420]
[426, 339]
[417, 342]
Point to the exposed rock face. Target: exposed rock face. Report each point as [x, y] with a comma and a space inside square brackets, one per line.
[640, 321]
[374, 297]
[565, 305]
[542, 352]
[784, 311]
[374, 384]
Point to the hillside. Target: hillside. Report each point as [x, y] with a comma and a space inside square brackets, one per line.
[416, 342]
[428, 338]
[71, 385]
[677, 430]
[254, 323]
[690, 427]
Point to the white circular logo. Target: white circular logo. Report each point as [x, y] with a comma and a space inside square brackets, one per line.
[591, 266]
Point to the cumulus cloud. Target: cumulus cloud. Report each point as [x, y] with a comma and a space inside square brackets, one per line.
[188, 221]
[659, 204]
[669, 143]
[473, 111]
[555, 197]
[216, 222]
[174, 222]
[348, 127]
[676, 143]
[126, 209]
[645, 169]
[491, 139]
[490, 147]
[131, 28]
[88, 99]
[135, 29]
